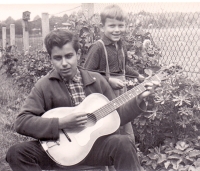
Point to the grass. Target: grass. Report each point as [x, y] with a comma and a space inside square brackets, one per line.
[11, 99]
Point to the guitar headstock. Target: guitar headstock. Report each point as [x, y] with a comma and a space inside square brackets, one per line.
[166, 71]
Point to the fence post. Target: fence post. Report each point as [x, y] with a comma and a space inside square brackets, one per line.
[4, 37]
[25, 36]
[25, 27]
[89, 8]
[45, 27]
[12, 34]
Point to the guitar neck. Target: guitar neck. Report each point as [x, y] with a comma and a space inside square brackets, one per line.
[122, 99]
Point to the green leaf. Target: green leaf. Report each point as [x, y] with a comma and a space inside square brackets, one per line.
[183, 168]
[188, 158]
[153, 156]
[197, 163]
[192, 168]
[162, 158]
[177, 151]
[188, 150]
[167, 163]
[154, 165]
[174, 156]
[181, 145]
[175, 164]
[194, 153]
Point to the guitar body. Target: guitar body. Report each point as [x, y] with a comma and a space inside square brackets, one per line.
[73, 148]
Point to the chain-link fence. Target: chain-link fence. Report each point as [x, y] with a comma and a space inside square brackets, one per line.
[174, 28]
[35, 34]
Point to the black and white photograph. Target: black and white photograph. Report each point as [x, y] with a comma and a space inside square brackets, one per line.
[99, 86]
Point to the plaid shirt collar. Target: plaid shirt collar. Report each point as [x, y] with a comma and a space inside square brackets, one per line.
[75, 79]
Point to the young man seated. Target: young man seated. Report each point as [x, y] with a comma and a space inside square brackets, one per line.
[68, 85]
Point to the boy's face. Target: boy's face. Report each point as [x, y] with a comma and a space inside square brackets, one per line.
[113, 29]
[64, 60]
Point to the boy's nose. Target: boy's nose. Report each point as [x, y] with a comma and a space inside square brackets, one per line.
[117, 28]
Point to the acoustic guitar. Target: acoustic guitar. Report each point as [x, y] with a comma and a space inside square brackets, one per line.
[74, 145]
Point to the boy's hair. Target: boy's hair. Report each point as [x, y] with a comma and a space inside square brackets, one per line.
[113, 12]
[59, 38]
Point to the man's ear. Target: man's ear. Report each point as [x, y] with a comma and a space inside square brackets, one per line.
[78, 54]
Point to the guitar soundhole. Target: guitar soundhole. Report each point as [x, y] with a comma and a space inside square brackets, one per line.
[91, 120]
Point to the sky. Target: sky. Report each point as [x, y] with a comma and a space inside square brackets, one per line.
[57, 7]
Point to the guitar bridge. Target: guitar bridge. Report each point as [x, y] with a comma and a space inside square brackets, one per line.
[67, 136]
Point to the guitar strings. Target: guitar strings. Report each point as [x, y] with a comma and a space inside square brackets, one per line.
[103, 111]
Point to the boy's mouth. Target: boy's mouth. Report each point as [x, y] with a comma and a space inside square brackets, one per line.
[116, 35]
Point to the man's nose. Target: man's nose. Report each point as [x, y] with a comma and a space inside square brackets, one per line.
[64, 62]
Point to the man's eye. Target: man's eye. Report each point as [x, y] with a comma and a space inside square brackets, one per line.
[69, 56]
[57, 58]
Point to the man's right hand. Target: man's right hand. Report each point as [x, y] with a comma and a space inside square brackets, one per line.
[73, 121]
[116, 83]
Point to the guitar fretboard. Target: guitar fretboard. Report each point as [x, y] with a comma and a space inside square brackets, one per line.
[122, 99]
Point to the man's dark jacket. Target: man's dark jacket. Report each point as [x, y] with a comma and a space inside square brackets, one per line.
[51, 92]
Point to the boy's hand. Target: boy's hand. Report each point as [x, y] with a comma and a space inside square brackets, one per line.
[150, 88]
[116, 83]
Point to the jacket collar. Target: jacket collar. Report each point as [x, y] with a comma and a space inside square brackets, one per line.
[86, 76]
[107, 41]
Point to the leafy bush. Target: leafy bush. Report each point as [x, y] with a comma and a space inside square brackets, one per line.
[25, 68]
[172, 119]
[182, 155]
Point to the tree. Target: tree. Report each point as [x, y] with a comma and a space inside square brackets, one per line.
[36, 17]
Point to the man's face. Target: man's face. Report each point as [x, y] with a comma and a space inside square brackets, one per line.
[113, 29]
[64, 60]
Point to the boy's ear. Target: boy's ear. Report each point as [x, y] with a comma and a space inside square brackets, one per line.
[78, 54]
[101, 27]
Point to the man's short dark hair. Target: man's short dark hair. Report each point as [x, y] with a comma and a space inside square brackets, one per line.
[59, 38]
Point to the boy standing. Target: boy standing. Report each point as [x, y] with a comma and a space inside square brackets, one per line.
[108, 55]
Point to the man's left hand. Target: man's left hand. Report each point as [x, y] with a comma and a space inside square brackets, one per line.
[150, 88]
[140, 78]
